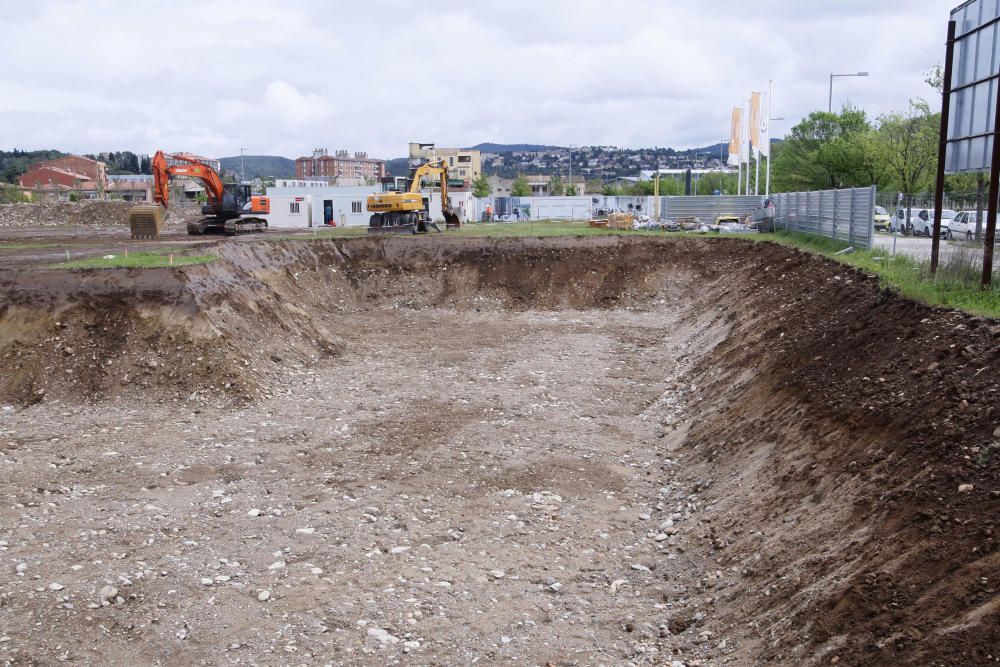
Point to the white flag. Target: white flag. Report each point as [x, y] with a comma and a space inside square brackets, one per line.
[765, 124]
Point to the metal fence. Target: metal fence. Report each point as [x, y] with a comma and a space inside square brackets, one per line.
[839, 214]
[704, 207]
[709, 207]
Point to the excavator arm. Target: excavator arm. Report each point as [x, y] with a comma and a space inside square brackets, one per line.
[191, 168]
[439, 168]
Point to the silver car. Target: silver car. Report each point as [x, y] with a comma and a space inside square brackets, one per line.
[963, 227]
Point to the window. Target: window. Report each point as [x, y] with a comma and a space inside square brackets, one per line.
[293, 207]
[465, 158]
[355, 207]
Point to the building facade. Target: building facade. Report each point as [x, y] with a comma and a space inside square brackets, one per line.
[131, 188]
[213, 163]
[71, 173]
[541, 185]
[339, 168]
[465, 165]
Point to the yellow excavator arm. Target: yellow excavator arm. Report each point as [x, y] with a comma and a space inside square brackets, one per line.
[393, 209]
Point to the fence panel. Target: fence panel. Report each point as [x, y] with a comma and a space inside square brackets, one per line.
[708, 207]
[845, 215]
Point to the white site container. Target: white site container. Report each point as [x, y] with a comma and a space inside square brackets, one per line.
[290, 212]
[331, 205]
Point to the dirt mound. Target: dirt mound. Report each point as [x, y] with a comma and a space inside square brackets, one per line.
[842, 444]
[85, 213]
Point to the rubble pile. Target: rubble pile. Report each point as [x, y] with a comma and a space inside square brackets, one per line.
[86, 213]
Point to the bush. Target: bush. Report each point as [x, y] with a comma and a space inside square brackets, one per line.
[74, 197]
[12, 195]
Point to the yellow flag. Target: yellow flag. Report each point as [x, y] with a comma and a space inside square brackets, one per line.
[736, 137]
[755, 123]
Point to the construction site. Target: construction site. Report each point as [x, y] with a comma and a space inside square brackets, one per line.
[603, 449]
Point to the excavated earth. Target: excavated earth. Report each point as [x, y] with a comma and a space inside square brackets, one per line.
[438, 451]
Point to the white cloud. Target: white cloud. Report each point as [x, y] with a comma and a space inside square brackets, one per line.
[286, 77]
[292, 106]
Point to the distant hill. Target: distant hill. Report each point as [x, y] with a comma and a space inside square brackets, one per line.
[508, 148]
[261, 166]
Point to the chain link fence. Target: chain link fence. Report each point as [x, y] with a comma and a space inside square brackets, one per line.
[845, 215]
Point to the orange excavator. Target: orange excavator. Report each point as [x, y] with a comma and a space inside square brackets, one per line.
[231, 208]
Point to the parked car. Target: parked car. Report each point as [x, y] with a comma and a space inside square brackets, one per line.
[963, 227]
[882, 219]
[899, 222]
[922, 222]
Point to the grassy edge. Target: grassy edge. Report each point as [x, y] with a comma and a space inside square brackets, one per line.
[148, 259]
[956, 285]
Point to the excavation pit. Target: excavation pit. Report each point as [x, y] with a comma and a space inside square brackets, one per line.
[601, 450]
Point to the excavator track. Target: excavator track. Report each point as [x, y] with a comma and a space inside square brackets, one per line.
[245, 226]
[229, 227]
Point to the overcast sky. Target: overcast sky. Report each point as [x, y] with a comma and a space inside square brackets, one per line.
[283, 77]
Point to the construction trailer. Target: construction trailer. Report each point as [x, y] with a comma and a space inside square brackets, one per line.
[328, 205]
[291, 211]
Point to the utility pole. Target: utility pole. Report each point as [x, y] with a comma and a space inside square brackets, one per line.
[243, 166]
[569, 182]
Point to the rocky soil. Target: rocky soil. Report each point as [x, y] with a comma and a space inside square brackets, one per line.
[432, 451]
[95, 214]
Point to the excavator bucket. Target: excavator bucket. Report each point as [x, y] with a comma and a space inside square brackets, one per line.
[146, 221]
[451, 220]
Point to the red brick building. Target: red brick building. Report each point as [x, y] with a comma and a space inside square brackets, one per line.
[66, 173]
[322, 166]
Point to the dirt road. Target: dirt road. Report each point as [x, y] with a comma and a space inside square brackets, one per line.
[416, 451]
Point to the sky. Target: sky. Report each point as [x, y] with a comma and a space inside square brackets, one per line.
[284, 77]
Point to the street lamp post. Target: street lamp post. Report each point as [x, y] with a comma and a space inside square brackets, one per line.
[829, 105]
[722, 167]
[243, 166]
[767, 177]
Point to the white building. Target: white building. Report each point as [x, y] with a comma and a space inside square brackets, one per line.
[340, 206]
[329, 205]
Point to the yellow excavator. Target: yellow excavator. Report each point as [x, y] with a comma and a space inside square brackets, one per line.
[410, 211]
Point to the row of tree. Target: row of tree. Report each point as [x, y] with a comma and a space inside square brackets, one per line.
[124, 162]
[16, 162]
[897, 152]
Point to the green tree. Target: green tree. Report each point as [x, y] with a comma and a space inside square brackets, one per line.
[520, 187]
[825, 150]
[609, 190]
[907, 143]
[571, 190]
[556, 186]
[481, 186]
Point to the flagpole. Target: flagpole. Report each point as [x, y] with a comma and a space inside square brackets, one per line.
[756, 174]
[767, 173]
[746, 188]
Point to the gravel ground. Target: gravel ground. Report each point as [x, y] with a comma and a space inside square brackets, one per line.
[497, 500]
